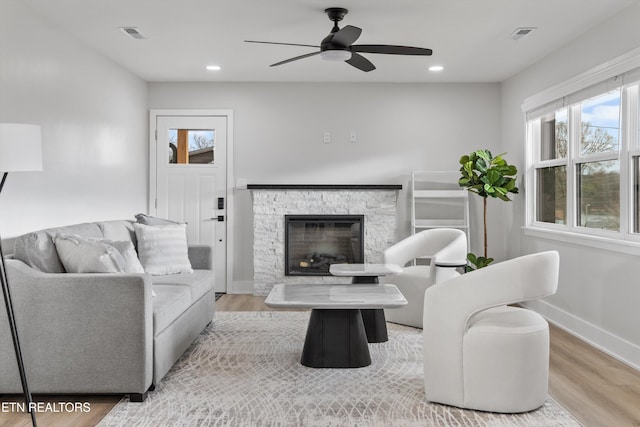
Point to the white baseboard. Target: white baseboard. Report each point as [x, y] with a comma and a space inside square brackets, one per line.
[613, 345]
[241, 287]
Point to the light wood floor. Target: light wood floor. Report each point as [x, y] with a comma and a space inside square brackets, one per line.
[597, 389]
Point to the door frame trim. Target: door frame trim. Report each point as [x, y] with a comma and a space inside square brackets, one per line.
[230, 177]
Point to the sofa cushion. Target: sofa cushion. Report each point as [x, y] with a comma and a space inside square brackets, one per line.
[169, 303]
[38, 250]
[79, 255]
[163, 249]
[118, 230]
[199, 282]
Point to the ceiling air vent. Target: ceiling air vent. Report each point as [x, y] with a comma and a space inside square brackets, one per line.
[521, 32]
[132, 32]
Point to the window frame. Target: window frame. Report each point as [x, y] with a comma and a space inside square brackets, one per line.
[604, 79]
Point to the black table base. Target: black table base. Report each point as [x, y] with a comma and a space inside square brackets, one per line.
[375, 325]
[336, 339]
[374, 321]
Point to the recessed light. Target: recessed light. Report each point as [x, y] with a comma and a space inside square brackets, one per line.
[436, 68]
[213, 67]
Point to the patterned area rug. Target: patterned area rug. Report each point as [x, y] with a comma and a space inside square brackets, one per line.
[245, 370]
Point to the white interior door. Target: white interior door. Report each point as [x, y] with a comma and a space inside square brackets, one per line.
[190, 181]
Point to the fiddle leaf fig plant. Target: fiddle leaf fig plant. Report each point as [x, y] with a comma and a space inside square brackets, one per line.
[487, 176]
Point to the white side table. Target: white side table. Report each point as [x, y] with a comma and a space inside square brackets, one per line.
[364, 273]
[375, 323]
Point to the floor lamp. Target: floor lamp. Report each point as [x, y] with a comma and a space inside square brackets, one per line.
[20, 151]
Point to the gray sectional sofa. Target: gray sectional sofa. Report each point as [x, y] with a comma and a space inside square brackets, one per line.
[96, 332]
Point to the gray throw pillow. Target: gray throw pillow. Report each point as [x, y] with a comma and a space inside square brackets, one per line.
[80, 255]
[128, 252]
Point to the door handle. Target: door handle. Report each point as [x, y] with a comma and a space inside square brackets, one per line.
[221, 218]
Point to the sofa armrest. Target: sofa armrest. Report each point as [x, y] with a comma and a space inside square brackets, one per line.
[200, 257]
[80, 333]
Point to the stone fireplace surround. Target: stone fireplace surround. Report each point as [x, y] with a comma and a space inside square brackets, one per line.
[378, 204]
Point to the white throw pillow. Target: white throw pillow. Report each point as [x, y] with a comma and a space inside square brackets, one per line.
[81, 255]
[128, 252]
[162, 249]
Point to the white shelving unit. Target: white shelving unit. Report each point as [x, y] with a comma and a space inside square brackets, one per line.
[437, 201]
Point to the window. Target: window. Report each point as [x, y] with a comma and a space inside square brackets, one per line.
[598, 163]
[584, 160]
[554, 136]
[191, 146]
[552, 195]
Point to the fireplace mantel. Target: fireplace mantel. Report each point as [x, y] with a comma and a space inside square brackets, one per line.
[366, 187]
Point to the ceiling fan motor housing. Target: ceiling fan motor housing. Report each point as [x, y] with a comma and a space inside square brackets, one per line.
[336, 13]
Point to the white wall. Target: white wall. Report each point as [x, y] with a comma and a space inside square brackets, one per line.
[599, 291]
[400, 127]
[94, 127]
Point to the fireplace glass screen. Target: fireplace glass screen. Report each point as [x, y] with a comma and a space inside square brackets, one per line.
[314, 242]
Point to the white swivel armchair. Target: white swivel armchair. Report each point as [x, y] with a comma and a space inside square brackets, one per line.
[480, 353]
[447, 248]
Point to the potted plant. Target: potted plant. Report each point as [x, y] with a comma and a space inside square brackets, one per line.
[486, 176]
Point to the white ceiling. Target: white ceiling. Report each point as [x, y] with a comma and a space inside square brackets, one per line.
[470, 38]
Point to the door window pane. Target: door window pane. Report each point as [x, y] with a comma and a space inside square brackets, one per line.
[599, 195]
[600, 124]
[552, 195]
[191, 146]
[553, 144]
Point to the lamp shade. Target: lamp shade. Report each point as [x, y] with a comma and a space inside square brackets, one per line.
[20, 147]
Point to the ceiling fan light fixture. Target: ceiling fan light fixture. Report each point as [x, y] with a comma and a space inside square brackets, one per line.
[335, 55]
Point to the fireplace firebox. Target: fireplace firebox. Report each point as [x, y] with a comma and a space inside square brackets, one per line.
[314, 242]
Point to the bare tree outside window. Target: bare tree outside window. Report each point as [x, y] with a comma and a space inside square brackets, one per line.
[201, 139]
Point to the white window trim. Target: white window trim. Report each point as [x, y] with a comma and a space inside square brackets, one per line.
[623, 241]
[629, 247]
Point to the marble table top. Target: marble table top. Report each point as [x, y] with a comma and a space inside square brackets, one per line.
[364, 269]
[327, 296]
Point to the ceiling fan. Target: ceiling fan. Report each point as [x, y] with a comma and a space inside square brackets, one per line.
[338, 45]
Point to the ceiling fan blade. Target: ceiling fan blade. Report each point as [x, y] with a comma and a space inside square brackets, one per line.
[391, 49]
[295, 58]
[360, 62]
[346, 36]
[286, 44]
